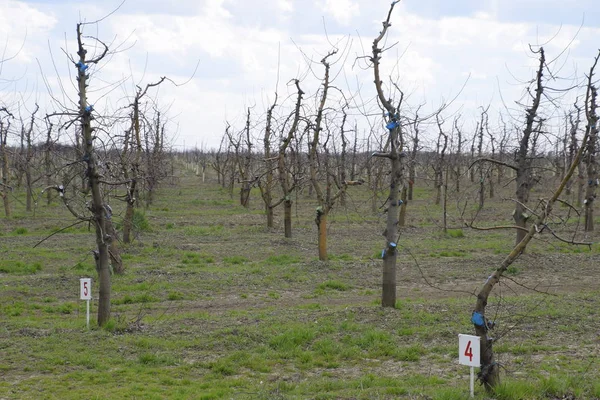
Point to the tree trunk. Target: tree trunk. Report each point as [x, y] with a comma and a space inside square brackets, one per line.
[93, 177]
[5, 173]
[128, 220]
[28, 183]
[113, 247]
[591, 165]
[269, 213]
[287, 218]
[321, 222]
[245, 195]
[388, 294]
[402, 215]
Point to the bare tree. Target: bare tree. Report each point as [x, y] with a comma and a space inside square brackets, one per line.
[5, 124]
[412, 163]
[266, 188]
[591, 105]
[395, 155]
[101, 212]
[287, 187]
[325, 198]
[440, 164]
[489, 374]
[132, 170]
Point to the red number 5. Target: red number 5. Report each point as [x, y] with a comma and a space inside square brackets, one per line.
[469, 351]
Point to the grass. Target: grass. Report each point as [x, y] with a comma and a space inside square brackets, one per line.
[213, 305]
[19, 268]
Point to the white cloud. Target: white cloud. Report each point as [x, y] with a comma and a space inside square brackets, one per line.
[22, 28]
[343, 11]
[237, 43]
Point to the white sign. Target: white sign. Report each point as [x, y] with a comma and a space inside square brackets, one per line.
[85, 288]
[468, 350]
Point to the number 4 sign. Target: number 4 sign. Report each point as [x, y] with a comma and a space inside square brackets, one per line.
[468, 350]
[468, 354]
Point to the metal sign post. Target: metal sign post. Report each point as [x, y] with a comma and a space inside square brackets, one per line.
[85, 293]
[469, 354]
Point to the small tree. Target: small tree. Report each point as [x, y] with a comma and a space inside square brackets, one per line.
[287, 187]
[132, 170]
[100, 216]
[326, 198]
[395, 156]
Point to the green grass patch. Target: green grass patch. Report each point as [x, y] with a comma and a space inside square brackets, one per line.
[19, 267]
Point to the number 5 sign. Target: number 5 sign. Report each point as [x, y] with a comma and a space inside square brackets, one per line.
[85, 288]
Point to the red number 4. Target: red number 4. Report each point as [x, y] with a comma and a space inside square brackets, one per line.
[469, 351]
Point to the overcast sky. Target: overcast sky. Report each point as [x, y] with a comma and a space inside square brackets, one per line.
[441, 45]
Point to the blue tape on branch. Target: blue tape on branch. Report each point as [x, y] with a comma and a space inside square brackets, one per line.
[82, 67]
[391, 125]
[477, 319]
[89, 109]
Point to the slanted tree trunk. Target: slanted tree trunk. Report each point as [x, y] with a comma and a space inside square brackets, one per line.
[489, 374]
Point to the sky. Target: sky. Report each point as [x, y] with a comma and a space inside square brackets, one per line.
[228, 55]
